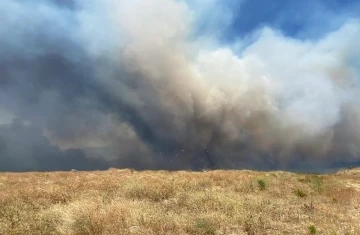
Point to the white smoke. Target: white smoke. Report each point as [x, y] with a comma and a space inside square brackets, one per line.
[279, 97]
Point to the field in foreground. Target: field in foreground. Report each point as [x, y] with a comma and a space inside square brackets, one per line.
[213, 202]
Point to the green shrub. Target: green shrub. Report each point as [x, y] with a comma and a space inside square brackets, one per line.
[300, 193]
[312, 230]
[261, 184]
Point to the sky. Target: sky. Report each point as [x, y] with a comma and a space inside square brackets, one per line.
[300, 19]
[170, 84]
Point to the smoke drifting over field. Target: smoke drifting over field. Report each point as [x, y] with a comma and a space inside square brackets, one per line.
[151, 84]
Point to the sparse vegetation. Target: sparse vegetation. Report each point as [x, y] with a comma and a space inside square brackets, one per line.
[197, 203]
[315, 181]
[205, 227]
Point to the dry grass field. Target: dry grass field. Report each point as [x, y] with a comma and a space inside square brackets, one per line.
[148, 202]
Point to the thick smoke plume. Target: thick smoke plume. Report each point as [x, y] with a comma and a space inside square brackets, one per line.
[94, 84]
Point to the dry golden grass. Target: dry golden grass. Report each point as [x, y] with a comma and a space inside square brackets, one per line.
[213, 202]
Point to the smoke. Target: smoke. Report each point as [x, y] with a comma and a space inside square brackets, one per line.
[139, 84]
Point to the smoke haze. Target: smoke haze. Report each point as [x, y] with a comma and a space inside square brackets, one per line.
[165, 84]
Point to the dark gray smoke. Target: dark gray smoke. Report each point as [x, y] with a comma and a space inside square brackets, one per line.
[125, 84]
[24, 148]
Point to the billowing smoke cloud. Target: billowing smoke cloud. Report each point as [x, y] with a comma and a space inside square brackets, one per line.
[137, 84]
